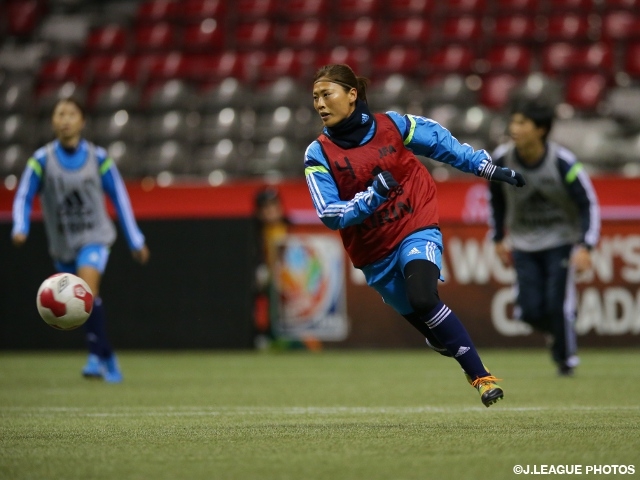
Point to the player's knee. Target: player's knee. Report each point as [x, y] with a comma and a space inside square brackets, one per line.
[423, 302]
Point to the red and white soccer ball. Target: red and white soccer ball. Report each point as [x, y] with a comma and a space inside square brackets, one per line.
[64, 301]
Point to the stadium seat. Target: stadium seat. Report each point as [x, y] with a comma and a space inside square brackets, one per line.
[226, 155]
[163, 66]
[591, 139]
[465, 28]
[253, 35]
[496, 89]
[307, 33]
[108, 39]
[632, 60]
[276, 156]
[363, 31]
[206, 36]
[227, 123]
[66, 68]
[16, 128]
[620, 25]
[452, 89]
[463, 7]
[168, 95]
[517, 27]
[256, 9]
[357, 8]
[623, 105]
[286, 63]
[581, 6]
[558, 57]
[16, 95]
[229, 92]
[13, 159]
[395, 91]
[127, 157]
[539, 85]
[120, 125]
[302, 9]
[173, 125]
[157, 11]
[585, 90]
[358, 58]
[213, 67]
[156, 37]
[114, 96]
[510, 57]
[168, 156]
[280, 121]
[631, 5]
[397, 59]
[412, 31]
[568, 27]
[451, 58]
[412, 8]
[109, 68]
[195, 11]
[529, 7]
[22, 17]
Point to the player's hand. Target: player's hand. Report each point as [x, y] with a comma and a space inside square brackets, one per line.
[581, 259]
[503, 252]
[502, 174]
[384, 183]
[141, 256]
[19, 239]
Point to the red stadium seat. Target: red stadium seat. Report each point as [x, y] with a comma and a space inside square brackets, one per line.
[154, 11]
[363, 31]
[110, 38]
[632, 60]
[520, 28]
[357, 58]
[510, 57]
[255, 9]
[207, 35]
[516, 6]
[462, 29]
[303, 9]
[412, 8]
[496, 89]
[631, 5]
[585, 90]
[67, 68]
[596, 56]
[212, 68]
[165, 66]
[109, 68]
[558, 57]
[451, 58]
[569, 27]
[416, 31]
[22, 16]
[198, 10]
[311, 33]
[397, 59]
[160, 36]
[254, 35]
[466, 7]
[582, 6]
[620, 25]
[357, 8]
[286, 63]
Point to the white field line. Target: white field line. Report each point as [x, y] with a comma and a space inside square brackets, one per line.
[171, 411]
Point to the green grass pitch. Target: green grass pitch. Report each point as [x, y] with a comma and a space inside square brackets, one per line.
[356, 415]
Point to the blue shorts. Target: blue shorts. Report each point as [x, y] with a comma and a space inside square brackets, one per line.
[386, 276]
[94, 255]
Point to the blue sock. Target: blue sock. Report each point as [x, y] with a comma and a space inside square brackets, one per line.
[96, 333]
[449, 331]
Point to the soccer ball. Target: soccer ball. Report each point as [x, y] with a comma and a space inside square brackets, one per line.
[64, 301]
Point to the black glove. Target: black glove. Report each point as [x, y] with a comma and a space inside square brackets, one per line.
[502, 174]
[384, 183]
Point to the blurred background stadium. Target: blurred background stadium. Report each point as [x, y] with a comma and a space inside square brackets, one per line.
[187, 88]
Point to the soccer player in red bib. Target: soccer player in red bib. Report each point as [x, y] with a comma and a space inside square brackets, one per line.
[366, 182]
